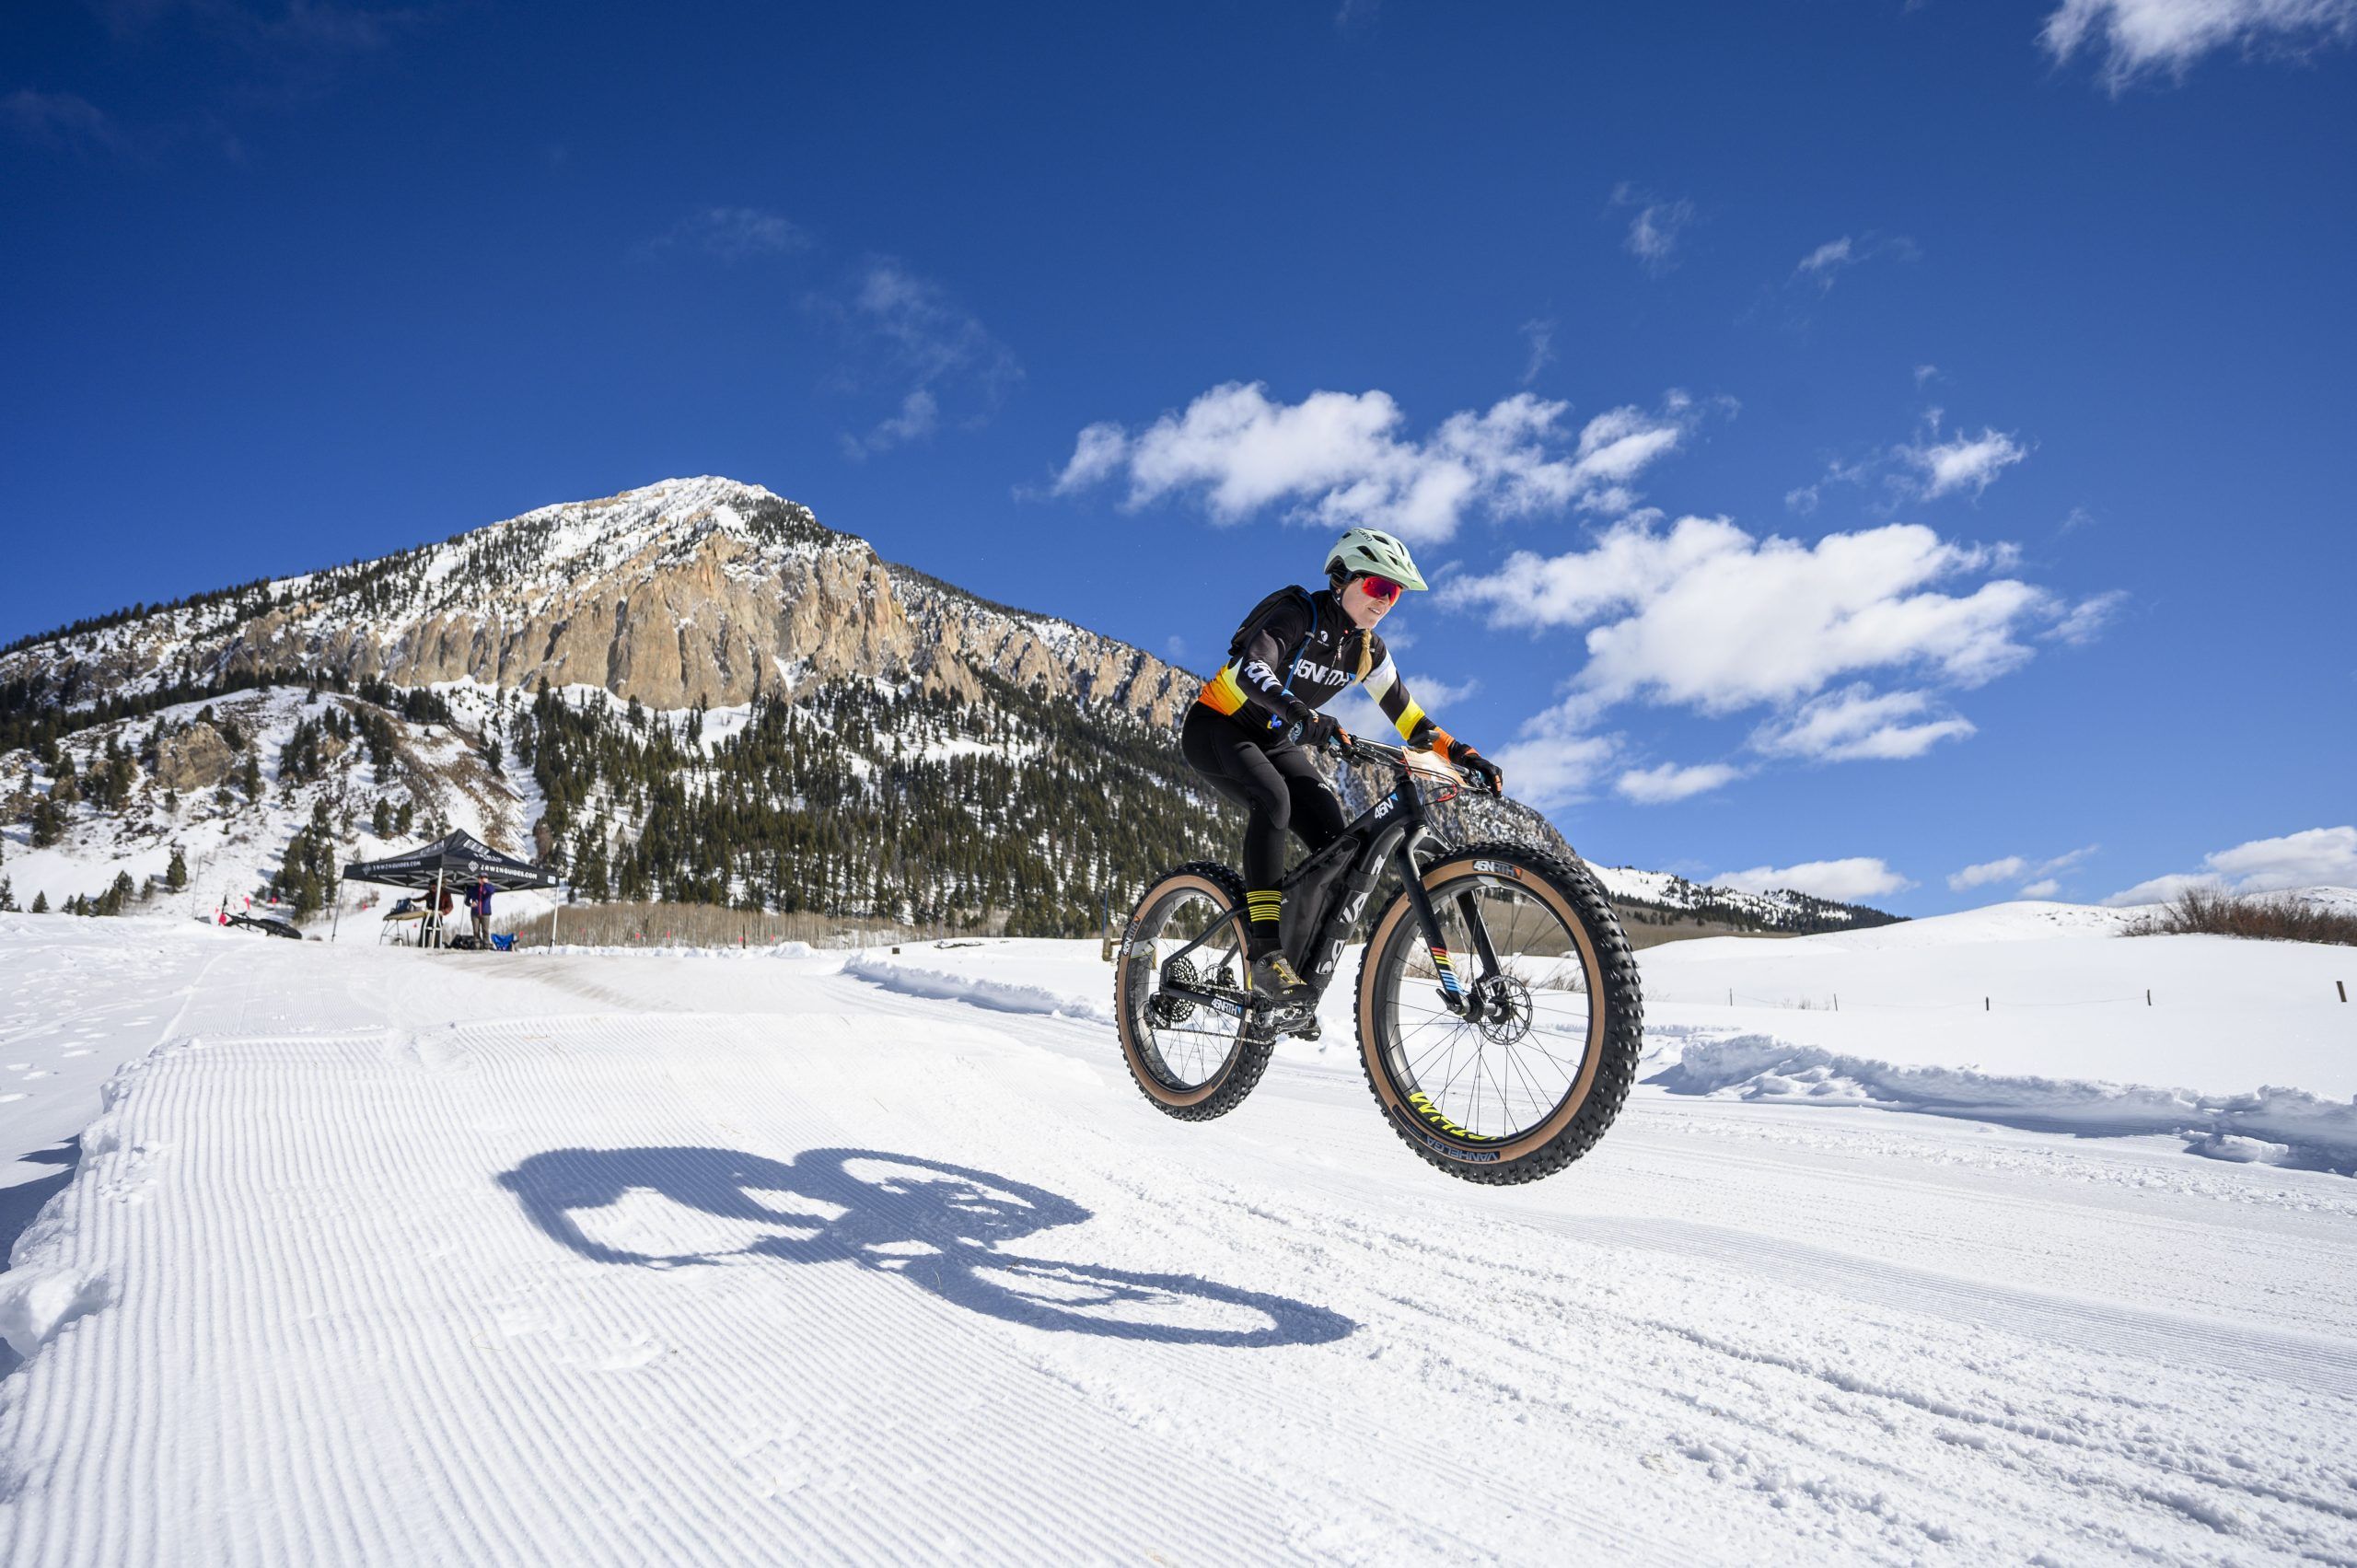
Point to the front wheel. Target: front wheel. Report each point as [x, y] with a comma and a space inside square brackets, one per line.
[1524, 1075]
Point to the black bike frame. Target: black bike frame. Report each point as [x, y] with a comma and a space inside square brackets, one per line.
[1388, 832]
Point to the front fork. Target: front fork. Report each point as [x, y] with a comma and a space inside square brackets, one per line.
[1461, 999]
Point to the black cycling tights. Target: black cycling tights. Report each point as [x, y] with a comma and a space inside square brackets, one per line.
[1281, 788]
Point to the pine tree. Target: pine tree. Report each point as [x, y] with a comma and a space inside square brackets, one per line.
[40, 903]
[7, 897]
[380, 822]
[176, 873]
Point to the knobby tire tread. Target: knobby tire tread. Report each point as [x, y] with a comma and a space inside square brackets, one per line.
[1252, 1054]
[1624, 1020]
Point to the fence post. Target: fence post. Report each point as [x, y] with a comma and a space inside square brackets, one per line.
[2148, 996]
[1984, 1004]
[1836, 1002]
[2342, 986]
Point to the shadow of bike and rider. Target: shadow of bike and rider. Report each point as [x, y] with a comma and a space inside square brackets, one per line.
[944, 1228]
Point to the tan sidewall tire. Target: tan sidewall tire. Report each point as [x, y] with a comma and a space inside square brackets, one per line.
[1146, 1080]
[1455, 868]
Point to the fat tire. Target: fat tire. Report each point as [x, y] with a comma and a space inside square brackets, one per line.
[1249, 1056]
[1619, 990]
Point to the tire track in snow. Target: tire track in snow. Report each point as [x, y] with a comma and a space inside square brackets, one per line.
[309, 1177]
[1883, 1453]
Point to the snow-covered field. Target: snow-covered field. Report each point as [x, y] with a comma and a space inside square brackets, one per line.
[376, 1255]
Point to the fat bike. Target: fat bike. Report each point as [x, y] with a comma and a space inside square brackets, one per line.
[1499, 1015]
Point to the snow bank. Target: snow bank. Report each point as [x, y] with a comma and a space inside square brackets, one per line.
[2271, 1125]
[998, 996]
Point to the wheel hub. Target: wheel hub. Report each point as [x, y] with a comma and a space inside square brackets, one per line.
[1503, 1012]
[1163, 1010]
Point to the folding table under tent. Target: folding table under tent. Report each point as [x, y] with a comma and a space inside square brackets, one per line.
[458, 861]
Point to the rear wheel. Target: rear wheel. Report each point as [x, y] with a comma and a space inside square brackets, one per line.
[1526, 1075]
[1192, 1059]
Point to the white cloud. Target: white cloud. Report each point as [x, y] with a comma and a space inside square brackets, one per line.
[2038, 874]
[1845, 882]
[1856, 725]
[2166, 36]
[2009, 869]
[1548, 770]
[2317, 856]
[1541, 336]
[2086, 619]
[1926, 373]
[1655, 233]
[729, 234]
[61, 120]
[910, 335]
[1961, 462]
[1828, 260]
[1654, 786]
[1712, 617]
[1338, 458]
[1927, 468]
[1360, 714]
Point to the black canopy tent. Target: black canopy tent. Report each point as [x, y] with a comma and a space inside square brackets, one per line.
[459, 860]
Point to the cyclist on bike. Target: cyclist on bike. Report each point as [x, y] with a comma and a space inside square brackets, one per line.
[1247, 733]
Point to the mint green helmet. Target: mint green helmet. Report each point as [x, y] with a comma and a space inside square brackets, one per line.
[1370, 549]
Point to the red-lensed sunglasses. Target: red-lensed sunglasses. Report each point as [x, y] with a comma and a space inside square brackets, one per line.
[1381, 588]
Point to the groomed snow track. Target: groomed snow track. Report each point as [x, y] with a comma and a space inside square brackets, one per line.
[523, 1262]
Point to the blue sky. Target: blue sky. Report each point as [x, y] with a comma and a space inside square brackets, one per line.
[1880, 439]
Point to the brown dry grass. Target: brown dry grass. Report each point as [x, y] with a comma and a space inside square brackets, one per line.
[708, 925]
[2206, 911]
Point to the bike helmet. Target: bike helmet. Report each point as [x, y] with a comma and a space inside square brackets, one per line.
[1369, 550]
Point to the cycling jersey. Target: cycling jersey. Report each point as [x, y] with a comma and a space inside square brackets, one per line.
[1294, 654]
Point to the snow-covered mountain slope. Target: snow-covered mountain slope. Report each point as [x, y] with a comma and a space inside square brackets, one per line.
[680, 1259]
[1664, 895]
[691, 591]
[190, 798]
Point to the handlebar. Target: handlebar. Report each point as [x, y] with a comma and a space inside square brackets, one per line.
[1374, 754]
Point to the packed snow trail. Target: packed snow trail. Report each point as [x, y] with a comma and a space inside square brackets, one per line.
[591, 1260]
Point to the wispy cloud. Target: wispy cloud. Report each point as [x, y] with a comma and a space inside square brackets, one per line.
[727, 234]
[1830, 260]
[1856, 723]
[287, 48]
[907, 333]
[1669, 781]
[1936, 463]
[62, 120]
[1845, 882]
[1341, 458]
[2139, 38]
[1945, 465]
[1658, 227]
[72, 124]
[2316, 857]
[2036, 878]
[1540, 337]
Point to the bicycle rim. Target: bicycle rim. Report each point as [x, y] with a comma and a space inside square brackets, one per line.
[1185, 1045]
[1489, 1082]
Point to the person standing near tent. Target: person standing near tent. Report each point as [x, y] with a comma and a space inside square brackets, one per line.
[441, 913]
[479, 907]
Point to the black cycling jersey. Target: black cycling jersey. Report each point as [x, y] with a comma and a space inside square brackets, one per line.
[1294, 654]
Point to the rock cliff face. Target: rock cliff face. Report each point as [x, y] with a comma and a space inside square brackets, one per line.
[690, 591]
